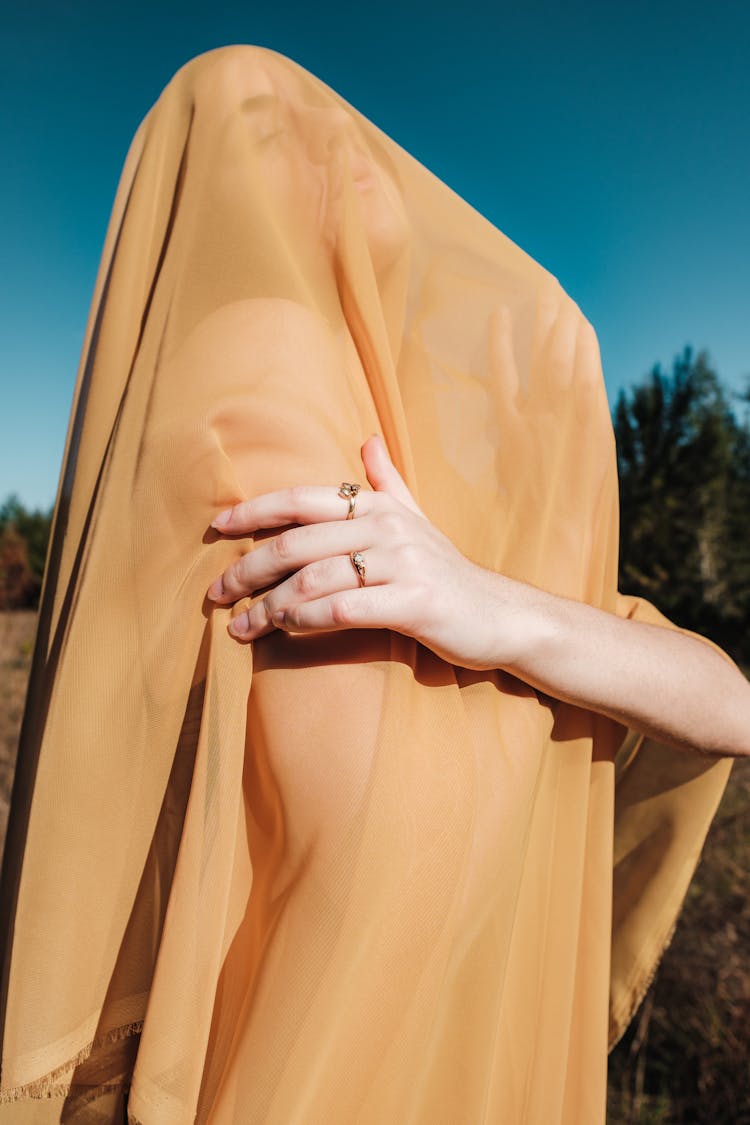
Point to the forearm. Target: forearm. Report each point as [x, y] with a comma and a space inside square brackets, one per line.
[661, 682]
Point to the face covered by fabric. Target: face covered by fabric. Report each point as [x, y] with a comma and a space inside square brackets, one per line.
[311, 873]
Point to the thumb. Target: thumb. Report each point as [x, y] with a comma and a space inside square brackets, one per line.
[383, 474]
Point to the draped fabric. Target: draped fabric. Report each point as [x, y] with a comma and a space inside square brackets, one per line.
[327, 878]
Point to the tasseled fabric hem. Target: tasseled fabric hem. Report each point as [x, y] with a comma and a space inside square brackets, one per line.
[620, 1022]
[50, 1086]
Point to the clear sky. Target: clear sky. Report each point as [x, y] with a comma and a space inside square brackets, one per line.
[611, 141]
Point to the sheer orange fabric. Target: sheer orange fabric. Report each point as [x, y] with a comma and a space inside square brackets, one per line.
[332, 878]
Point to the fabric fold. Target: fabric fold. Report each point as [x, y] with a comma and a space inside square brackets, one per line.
[665, 801]
[332, 877]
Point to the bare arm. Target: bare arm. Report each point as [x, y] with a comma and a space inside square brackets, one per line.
[659, 681]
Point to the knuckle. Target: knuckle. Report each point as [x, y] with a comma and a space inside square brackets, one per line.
[305, 582]
[233, 577]
[389, 524]
[341, 611]
[408, 556]
[282, 546]
[292, 618]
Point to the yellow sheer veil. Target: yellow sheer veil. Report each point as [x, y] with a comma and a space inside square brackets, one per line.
[279, 280]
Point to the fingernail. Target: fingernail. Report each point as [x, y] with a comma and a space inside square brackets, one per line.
[216, 589]
[223, 518]
[240, 624]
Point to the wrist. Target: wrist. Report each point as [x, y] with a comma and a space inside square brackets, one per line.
[523, 625]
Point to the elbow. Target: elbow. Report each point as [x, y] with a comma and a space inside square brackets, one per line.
[733, 721]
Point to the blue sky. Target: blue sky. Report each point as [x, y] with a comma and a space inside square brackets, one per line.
[611, 141]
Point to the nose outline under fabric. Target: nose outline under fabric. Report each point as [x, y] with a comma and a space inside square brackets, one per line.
[333, 130]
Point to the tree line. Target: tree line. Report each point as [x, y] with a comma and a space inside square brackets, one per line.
[683, 453]
[23, 548]
[683, 456]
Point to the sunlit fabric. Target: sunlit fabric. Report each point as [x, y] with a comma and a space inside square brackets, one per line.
[322, 879]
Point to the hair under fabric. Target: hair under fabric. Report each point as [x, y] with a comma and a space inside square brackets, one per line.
[323, 878]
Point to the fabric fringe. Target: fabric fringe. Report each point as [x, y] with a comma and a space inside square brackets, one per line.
[638, 994]
[48, 1087]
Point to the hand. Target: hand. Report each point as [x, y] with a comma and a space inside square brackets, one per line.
[417, 582]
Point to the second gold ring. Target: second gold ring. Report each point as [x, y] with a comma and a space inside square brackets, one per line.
[358, 562]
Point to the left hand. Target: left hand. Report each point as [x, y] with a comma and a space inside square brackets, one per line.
[417, 582]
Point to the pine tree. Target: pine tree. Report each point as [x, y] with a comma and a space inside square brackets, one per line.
[684, 467]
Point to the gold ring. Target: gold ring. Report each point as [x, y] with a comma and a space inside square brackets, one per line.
[348, 491]
[358, 562]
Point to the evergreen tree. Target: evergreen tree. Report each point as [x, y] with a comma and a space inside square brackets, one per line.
[684, 467]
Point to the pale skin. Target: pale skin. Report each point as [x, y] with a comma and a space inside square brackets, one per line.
[660, 682]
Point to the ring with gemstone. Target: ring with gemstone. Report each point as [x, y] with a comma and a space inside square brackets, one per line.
[348, 491]
[358, 562]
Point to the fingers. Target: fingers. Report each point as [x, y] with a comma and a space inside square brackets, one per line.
[313, 594]
[291, 550]
[302, 504]
[307, 569]
[317, 503]
[383, 474]
[391, 526]
[369, 608]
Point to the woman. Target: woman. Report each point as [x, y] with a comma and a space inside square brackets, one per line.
[315, 803]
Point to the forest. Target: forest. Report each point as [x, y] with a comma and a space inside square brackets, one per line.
[683, 454]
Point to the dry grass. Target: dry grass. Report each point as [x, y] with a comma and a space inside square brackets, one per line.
[684, 1059]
